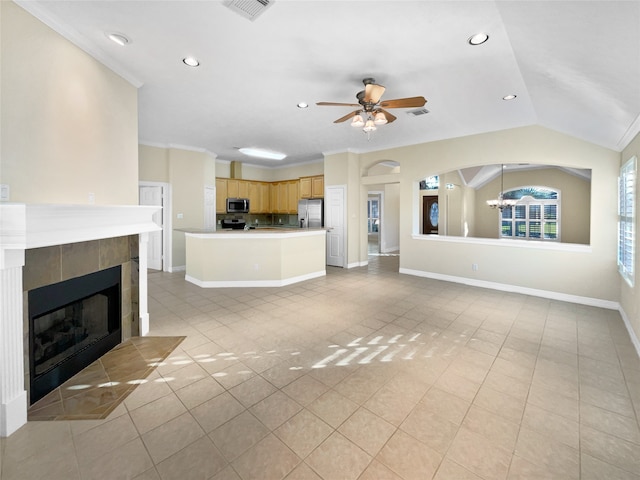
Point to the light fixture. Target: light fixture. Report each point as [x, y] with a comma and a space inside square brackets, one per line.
[501, 202]
[357, 121]
[380, 119]
[260, 153]
[369, 126]
[478, 39]
[302, 105]
[509, 97]
[191, 61]
[118, 38]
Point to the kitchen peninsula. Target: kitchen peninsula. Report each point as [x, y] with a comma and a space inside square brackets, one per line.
[263, 257]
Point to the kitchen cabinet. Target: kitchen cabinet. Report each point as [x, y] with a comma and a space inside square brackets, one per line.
[317, 186]
[265, 197]
[292, 196]
[232, 188]
[273, 196]
[221, 195]
[255, 200]
[312, 187]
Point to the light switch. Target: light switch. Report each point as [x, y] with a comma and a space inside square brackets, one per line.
[180, 215]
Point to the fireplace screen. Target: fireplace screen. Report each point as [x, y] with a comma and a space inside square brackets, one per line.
[72, 324]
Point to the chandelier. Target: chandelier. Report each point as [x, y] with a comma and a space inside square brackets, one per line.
[373, 119]
[501, 202]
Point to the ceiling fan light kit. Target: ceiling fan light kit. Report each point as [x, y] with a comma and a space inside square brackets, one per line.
[371, 111]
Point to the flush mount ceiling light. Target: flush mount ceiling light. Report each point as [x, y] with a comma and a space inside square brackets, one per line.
[509, 97]
[260, 153]
[191, 61]
[118, 38]
[302, 105]
[478, 39]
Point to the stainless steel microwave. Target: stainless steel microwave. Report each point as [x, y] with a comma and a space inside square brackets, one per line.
[237, 205]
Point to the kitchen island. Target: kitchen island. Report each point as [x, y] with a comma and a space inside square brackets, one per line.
[263, 257]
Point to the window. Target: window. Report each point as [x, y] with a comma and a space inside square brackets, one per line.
[626, 219]
[536, 216]
[430, 183]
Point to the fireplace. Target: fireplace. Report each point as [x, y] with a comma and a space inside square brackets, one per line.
[72, 324]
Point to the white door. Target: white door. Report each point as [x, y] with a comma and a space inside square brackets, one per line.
[152, 195]
[209, 207]
[335, 224]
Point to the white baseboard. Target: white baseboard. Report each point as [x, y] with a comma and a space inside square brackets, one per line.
[395, 248]
[254, 283]
[180, 268]
[632, 333]
[565, 297]
[13, 414]
[364, 263]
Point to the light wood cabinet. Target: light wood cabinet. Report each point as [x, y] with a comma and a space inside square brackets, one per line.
[312, 187]
[232, 188]
[268, 197]
[265, 197]
[317, 186]
[305, 187]
[221, 195]
[292, 196]
[255, 200]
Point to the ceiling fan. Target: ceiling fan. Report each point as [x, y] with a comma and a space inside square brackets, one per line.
[371, 110]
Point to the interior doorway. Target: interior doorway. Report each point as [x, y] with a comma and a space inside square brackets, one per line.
[159, 246]
[373, 223]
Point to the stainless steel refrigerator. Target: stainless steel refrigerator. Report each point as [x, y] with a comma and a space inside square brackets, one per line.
[311, 213]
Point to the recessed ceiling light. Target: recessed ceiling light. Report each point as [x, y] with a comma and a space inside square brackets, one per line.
[118, 38]
[478, 39]
[191, 61]
[509, 97]
[303, 105]
[259, 153]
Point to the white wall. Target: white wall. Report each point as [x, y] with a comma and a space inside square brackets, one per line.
[69, 125]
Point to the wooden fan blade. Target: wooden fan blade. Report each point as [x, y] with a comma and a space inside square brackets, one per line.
[404, 102]
[373, 92]
[334, 104]
[347, 117]
[390, 117]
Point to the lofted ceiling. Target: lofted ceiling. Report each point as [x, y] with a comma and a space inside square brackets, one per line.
[574, 66]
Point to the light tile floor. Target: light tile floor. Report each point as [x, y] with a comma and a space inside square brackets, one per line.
[364, 374]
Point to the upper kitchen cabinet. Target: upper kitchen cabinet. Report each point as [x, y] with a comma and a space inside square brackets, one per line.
[259, 197]
[221, 195]
[237, 188]
[312, 187]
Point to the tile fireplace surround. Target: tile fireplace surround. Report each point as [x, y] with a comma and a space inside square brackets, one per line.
[72, 240]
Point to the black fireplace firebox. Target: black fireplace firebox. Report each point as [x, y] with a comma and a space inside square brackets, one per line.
[71, 325]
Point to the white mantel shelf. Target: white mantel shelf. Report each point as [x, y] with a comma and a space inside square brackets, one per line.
[35, 226]
[23, 227]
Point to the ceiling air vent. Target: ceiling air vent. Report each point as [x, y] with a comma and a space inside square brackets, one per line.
[250, 9]
[418, 112]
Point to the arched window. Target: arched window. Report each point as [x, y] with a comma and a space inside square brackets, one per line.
[536, 216]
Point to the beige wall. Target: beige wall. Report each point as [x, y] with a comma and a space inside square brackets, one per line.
[69, 124]
[153, 164]
[630, 296]
[588, 272]
[187, 171]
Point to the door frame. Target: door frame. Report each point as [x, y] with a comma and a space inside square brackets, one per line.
[343, 189]
[166, 221]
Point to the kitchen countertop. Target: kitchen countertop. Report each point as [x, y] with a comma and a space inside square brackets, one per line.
[252, 230]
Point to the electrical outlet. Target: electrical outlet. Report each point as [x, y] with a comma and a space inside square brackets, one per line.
[92, 198]
[180, 215]
[4, 193]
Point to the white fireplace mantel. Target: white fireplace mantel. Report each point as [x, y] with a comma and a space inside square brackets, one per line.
[23, 227]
